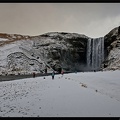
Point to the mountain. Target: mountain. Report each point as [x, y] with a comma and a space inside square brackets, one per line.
[23, 54]
[112, 51]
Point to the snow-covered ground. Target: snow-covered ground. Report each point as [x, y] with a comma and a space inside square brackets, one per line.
[3, 39]
[88, 94]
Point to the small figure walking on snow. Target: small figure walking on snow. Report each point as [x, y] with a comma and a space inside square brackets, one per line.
[53, 74]
[33, 74]
[62, 72]
[46, 70]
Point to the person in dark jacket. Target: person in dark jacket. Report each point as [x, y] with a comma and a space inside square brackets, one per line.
[45, 70]
[33, 74]
[53, 74]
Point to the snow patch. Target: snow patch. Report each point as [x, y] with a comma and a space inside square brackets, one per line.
[62, 97]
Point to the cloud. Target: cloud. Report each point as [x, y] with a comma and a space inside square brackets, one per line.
[93, 20]
[26, 18]
[101, 27]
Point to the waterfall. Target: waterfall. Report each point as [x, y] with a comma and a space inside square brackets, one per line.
[95, 53]
[88, 52]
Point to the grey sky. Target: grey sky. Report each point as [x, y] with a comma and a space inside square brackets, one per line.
[91, 19]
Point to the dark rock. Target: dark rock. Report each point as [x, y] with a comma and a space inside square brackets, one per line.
[56, 51]
[109, 39]
[112, 44]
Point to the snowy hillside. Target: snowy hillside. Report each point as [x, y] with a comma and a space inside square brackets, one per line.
[112, 44]
[88, 94]
[25, 54]
[22, 54]
[113, 60]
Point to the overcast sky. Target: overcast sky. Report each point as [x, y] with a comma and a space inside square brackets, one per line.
[91, 19]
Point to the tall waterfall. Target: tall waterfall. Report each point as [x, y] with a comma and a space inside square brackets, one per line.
[95, 53]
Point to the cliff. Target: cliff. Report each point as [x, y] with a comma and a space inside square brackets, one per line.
[52, 50]
[112, 50]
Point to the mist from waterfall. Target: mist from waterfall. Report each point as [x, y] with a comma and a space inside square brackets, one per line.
[95, 53]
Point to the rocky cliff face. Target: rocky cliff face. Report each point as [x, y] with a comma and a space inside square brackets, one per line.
[51, 50]
[112, 50]
[68, 51]
[56, 50]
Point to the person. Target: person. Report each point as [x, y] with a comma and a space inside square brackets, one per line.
[53, 74]
[45, 70]
[33, 74]
[62, 72]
